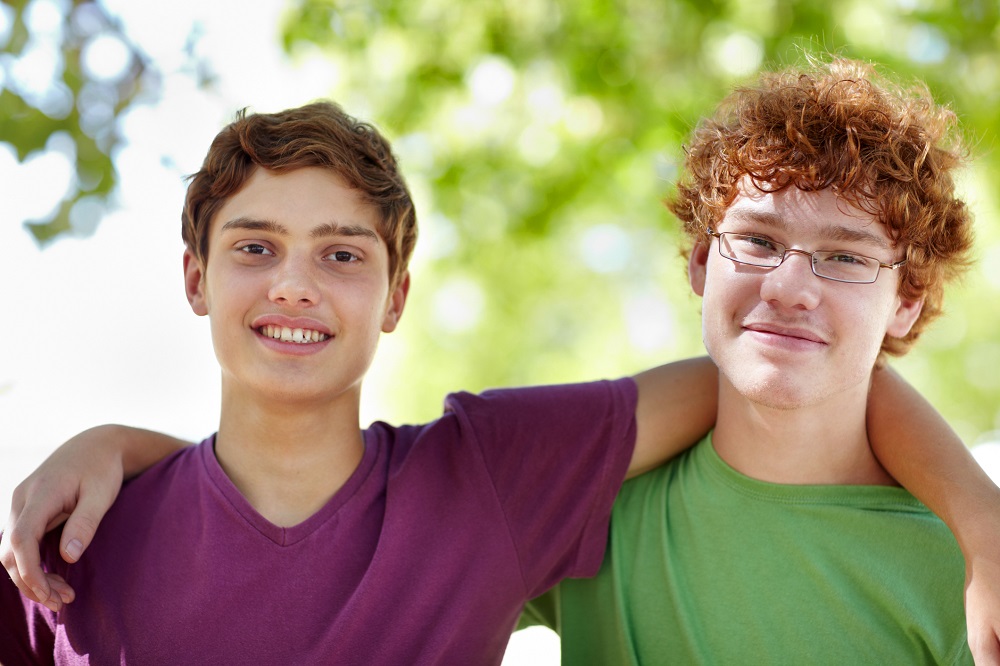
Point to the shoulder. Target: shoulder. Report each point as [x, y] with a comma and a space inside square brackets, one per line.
[498, 426]
[564, 401]
[517, 411]
[177, 481]
[184, 463]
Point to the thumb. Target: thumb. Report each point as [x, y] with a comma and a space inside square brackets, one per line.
[82, 523]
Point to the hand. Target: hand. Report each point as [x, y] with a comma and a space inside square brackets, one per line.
[76, 484]
[982, 607]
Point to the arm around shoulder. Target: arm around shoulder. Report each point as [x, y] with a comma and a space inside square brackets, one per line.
[917, 447]
[677, 407]
[77, 483]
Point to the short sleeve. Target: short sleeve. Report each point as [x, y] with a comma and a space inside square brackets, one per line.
[557, 456]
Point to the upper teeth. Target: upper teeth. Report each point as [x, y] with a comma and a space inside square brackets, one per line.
[285, 334]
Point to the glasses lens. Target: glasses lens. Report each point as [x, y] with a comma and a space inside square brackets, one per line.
[751, 249]
[845, 266]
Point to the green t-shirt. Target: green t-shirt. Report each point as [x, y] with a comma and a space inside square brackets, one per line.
[707, 566]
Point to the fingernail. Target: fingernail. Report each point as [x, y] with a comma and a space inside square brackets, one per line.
[40, 594]
[53, 606]
[74, 549]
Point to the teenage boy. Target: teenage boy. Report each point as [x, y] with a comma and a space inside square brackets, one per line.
[299, 534]
[823, 224]
[293, 535]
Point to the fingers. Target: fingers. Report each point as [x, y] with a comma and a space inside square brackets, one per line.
[60, 588]
[12, 545]
[80, 480]
[19, 552]
[82, 523]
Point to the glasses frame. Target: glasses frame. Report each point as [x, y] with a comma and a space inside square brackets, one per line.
[812, 264]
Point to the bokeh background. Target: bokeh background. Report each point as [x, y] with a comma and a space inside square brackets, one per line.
[539, 138]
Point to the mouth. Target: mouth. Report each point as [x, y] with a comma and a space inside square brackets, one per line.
[301, 336]
[794, 333]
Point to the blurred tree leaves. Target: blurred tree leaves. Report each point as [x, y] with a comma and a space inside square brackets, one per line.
[540, 136]
[59, 95]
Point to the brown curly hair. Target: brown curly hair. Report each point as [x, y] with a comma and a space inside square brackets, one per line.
[889, 151]
[315, 135]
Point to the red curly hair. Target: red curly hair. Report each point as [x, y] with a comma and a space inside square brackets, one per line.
[315, 135]
[889, 151]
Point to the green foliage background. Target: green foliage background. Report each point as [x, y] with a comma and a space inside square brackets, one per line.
[540, 137]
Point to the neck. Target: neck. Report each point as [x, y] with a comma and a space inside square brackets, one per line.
[288, 459]
[826, 443]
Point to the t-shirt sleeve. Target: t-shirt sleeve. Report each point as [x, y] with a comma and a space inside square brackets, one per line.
[26, 628]
[557, 456]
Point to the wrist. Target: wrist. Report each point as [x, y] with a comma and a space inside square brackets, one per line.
[111, 443]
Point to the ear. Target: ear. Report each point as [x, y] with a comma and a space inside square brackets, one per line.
[194, 283]
[904, 317]
[397, 299]
[697, 266]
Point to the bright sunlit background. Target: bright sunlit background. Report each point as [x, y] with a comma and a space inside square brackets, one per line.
[538, 140]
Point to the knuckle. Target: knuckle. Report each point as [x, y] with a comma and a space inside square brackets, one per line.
[15, 578]
[85, 522]
[18, 537]
[20, 491]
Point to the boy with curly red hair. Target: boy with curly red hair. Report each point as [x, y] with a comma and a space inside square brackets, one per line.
[823, 224]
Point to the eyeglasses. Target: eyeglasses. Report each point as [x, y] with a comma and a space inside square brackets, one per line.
[831, 265]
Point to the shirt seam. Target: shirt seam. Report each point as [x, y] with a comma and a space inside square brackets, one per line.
[499, 503]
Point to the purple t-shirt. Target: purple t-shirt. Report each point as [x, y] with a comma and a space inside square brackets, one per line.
[425, 556]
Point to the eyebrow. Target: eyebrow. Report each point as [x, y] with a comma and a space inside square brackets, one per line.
[833, 233]
[353, 230]
[322, 231]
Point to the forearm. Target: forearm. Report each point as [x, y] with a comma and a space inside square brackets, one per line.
[921, 451]
[677, 406]
[139, 449]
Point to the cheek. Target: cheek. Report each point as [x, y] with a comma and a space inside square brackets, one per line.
[866, 325]
[365, 301]
[227, 292]
[717, 308]
[728, 292]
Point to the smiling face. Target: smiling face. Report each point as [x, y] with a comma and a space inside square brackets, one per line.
[783, 337]
[296, 284]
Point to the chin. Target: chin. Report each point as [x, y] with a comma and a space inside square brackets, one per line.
[780, 400]
[774, 390]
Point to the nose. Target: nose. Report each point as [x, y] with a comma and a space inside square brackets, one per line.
[792, 284]
[294, 284]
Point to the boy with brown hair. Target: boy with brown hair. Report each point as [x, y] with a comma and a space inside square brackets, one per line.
[293, 533]
[823, 225]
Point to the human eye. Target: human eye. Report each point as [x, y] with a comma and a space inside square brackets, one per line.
[255, 248]
[847, 259]
[758, 242]
[845, 266]
[753, 246]
[343, 257]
